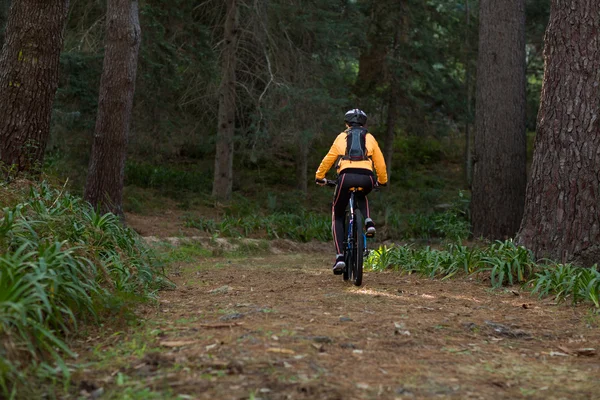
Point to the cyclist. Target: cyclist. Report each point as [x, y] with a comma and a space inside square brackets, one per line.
[352, 173]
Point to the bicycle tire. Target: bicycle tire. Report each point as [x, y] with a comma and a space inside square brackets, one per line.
[347, 254]
[359, 247]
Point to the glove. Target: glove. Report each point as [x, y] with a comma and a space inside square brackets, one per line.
[321, 182]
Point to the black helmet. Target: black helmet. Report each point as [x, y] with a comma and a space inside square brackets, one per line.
[355, 117]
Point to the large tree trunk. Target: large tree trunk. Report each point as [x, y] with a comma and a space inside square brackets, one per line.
[223, 178]
[105, 180]
[28, 80]
[499, 174]
[4, 6]
[561, 219]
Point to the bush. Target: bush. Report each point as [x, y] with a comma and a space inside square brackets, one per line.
[414, 150]
[427, 261]
[301, 227]
[168, 179]
[61, 262]
[566, 280]
[453, 223]
[506, 263]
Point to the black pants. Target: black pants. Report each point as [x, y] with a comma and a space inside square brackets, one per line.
[340, 201]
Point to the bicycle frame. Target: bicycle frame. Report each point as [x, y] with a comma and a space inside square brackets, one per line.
[350, 228]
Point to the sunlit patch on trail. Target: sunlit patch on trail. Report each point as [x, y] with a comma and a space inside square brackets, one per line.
[314, 272]
[378, 293]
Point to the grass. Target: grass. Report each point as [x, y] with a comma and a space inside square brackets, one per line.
[421, 203]
[504, 262]
[61, 263]
[567, 281]
[303, 226]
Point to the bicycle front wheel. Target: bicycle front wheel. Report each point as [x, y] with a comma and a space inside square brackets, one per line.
[359, 247]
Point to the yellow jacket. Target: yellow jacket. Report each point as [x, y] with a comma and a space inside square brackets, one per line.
[338, 149]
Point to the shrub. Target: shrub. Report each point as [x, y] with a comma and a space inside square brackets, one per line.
[301, 227]
[567, 280]
[506, 263]
[61, 262]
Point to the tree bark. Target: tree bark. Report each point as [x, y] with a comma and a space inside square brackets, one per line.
[499, 174]
[302, 163]
[28, 80]
[392, 118]
[400, 36]
[105, 179]
[4, 6]
[223, 177]
[468, 135]
[561, 219]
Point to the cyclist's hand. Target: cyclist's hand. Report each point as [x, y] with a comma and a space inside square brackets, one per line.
[321, 182]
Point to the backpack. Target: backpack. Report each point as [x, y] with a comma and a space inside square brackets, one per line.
[356, 149]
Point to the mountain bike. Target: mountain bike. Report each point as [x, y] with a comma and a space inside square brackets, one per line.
[355, 242]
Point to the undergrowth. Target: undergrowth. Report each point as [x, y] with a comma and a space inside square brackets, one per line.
[300, 225]
[61, 263]
[506, 263]
[303, 226]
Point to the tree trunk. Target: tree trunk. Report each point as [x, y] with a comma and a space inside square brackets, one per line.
[302, 163]
[372, 58]
[393, 100]
[28, 80]
[223, 178]
[392, 118]
[4, 6]
[499, 174]
[561, 219]
[468, 140]
[105, 179]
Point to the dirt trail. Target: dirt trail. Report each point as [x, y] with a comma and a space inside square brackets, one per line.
[283, 327]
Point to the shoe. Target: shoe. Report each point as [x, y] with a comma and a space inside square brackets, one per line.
[370, 225]
[339, 265]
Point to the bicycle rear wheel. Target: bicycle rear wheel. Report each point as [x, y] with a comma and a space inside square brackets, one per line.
[347, 253]
[358, 248]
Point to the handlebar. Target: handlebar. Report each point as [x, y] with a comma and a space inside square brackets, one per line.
[329, 182]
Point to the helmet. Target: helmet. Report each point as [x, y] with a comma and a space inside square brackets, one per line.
[355, 117]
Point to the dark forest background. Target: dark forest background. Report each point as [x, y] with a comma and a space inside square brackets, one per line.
[301, 65]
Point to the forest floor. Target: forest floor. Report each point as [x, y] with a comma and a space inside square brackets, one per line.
[279, 325]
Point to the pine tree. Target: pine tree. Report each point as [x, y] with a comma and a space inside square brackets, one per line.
[28, 80]
[499, 171]
[562, 218]
[105, 180]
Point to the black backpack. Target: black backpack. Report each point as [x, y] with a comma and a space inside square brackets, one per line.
[356, 149]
